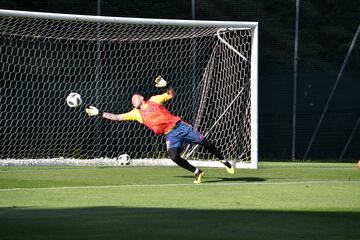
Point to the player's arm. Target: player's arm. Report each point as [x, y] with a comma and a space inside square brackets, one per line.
[133, 115]
[112, 116]
[94, 111]
[169, 94]
[162, 83]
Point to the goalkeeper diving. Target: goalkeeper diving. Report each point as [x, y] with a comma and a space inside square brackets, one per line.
[155, 116]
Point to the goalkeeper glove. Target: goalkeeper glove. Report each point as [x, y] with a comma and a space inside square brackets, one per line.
[93, 111]
[160, 82]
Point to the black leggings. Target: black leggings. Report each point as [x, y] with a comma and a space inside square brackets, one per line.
[212, 149]
[174, 154]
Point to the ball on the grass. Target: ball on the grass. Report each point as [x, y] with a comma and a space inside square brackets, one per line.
[124, 159]
[73, 100]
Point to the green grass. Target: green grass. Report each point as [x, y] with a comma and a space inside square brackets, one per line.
[277, 201]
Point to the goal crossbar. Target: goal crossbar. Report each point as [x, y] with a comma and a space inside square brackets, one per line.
[127, 20]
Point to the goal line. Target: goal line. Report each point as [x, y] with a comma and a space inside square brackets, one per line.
[114, 162]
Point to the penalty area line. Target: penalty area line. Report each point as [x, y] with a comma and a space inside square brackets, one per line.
[179, 185]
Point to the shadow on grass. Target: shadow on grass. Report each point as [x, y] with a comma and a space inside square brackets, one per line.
[236, 179]
[228, 179]
[173, 223]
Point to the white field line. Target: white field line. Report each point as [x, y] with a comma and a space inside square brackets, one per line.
[179, 185]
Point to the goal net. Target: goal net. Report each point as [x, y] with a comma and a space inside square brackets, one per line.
[211, 65]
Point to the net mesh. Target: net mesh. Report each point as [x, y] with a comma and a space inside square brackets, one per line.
[43, 60]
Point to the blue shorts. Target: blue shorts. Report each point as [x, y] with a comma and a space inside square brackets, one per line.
[182, 132]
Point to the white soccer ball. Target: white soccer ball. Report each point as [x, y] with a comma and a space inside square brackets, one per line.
[124, 159]
[74, 100]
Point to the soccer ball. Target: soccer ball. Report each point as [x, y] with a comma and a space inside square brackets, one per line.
[74, 100]
[124, 159]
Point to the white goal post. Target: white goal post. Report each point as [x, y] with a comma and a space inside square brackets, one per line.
[212, 65]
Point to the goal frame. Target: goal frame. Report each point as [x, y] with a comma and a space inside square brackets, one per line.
[188, 23]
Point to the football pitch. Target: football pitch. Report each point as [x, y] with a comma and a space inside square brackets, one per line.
[277, 201]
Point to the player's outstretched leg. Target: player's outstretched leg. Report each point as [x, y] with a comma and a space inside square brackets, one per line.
[174, 154]
[214, 150]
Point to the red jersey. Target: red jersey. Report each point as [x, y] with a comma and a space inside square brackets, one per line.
[158, 118]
